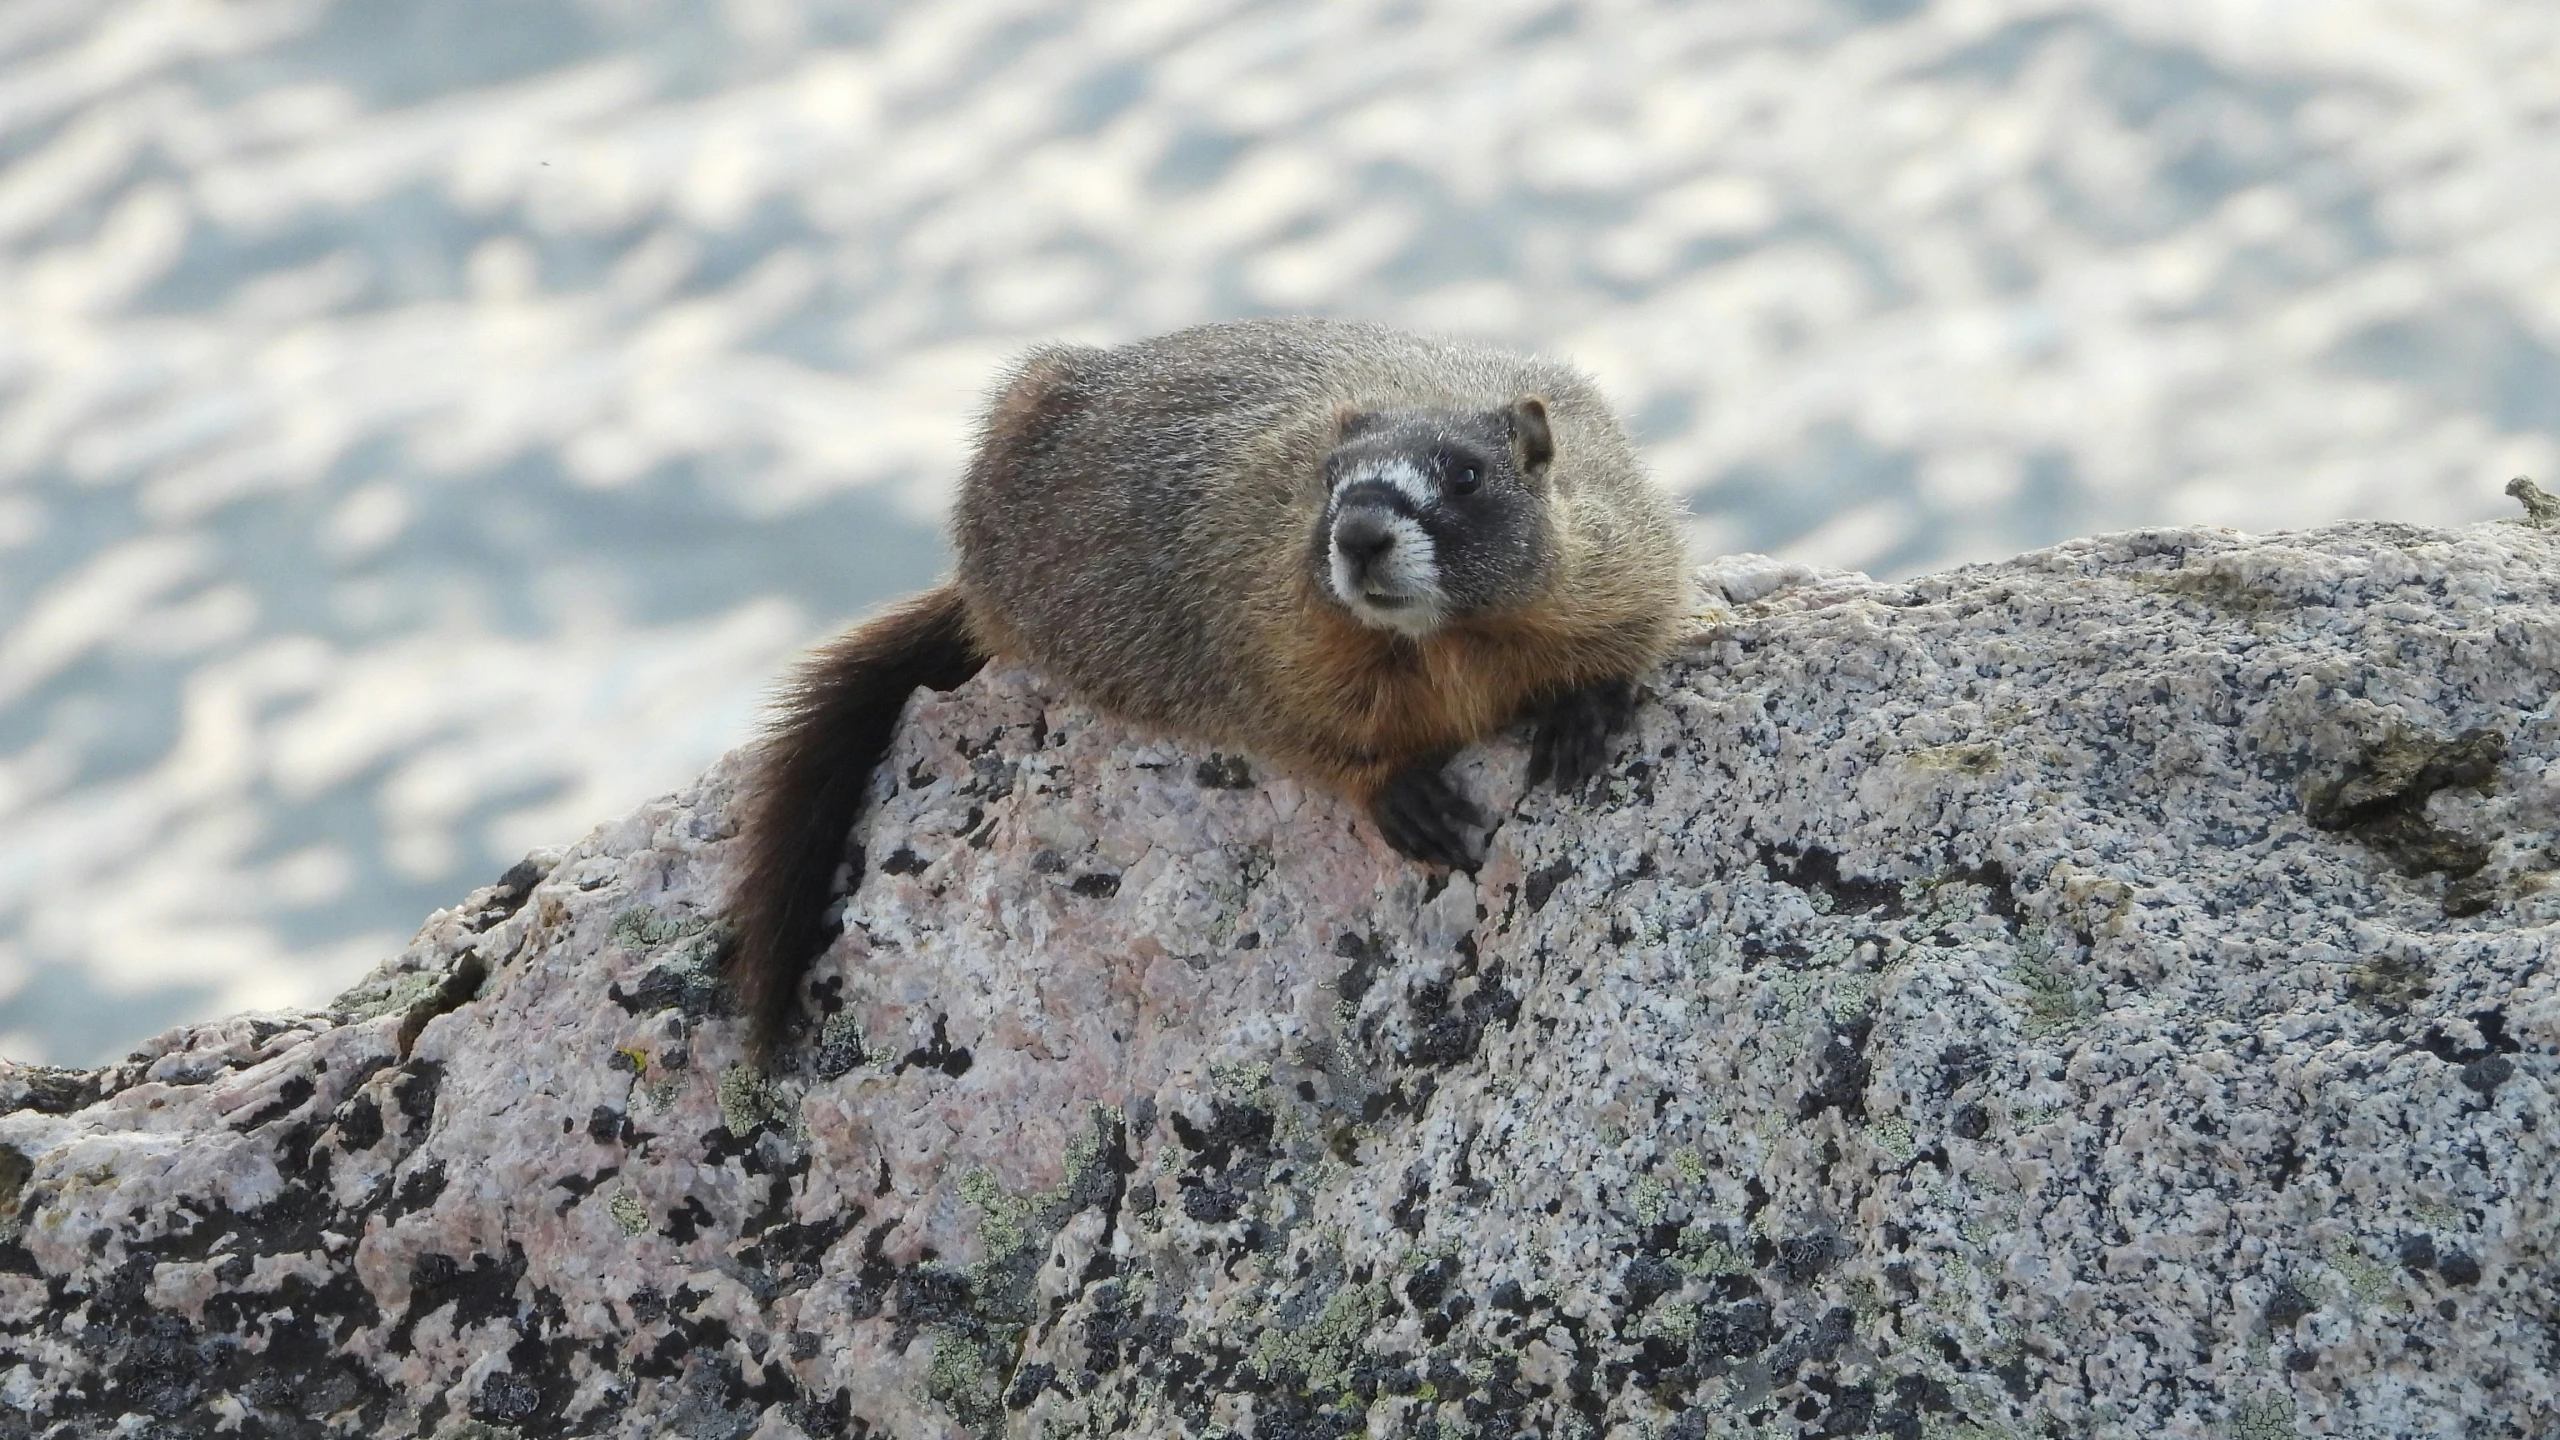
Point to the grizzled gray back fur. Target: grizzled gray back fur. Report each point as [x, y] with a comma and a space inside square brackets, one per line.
[1211, 441]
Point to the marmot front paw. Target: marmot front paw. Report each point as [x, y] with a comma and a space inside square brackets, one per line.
[1570, 741]
[1428, 819]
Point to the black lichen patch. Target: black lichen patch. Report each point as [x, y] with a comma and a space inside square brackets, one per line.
[1842, 1071]
[1120, 1332]
[414, 1088]
[2494, 1039]
[15, 1170]
[1542, 882]
[1099, 885]
[1368, 956]
[1028, 1384]
[1803, 1258]
[688, 1221]
[52, 1090]
[359, 1124]
[2485, 1075]
[1407, 1213]
[938, 1053]
[2287, 1305]
[2381, 801]
[1230, 1158]
[1224, 772]
[289, 1097]
[460, 986]
[416, 1191]
[1960, 1065]
[688, 982]
[2418, 1251]
[1235, 1132]
[578, 1187]
[1817, 871]
[505, 898]
[1734, 1331]
[928, 1295]
[1447, 1032]
[482, 1291]
[1646, 1279]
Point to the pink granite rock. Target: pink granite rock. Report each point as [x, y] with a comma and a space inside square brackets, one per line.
[2108, 993]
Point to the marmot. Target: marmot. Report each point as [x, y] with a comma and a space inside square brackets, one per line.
[1348, 550]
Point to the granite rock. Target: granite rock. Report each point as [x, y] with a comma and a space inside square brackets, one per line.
[2105, 993]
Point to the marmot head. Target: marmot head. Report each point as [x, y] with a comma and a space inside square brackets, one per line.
[1432, 516]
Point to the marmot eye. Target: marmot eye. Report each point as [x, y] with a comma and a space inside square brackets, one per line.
[1465, 478]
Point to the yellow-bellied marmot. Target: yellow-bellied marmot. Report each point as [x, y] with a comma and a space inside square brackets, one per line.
[1343, 548]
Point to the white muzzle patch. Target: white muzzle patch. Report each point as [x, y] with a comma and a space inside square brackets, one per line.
[1396, 589]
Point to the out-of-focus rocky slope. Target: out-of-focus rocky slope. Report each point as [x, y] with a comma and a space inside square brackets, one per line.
[2109, 993]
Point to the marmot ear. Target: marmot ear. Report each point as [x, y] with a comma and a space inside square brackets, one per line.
[1531, 440]
[1350, 420]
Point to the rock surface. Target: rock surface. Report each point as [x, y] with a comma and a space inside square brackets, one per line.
[2106, 993]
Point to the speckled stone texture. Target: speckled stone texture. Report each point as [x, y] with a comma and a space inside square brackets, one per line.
[2108, 993]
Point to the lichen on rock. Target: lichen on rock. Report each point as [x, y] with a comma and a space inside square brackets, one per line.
[2106, 993]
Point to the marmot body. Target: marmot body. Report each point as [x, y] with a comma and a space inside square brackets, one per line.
[1346, 549]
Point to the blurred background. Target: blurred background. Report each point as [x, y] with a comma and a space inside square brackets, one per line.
[427, 425]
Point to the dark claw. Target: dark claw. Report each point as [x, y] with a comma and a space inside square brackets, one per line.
[1426, 818]
[1570, 743]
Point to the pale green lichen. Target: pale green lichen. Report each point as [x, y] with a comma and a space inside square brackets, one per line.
[1703, 954]
[2368, 1281]
[1005, 1222]
[397, 995]
[1326, 1347]
[842, 1034]
[1894, 1137]
[1689, 1165]
[1703, 1252]
[1242, 1083]
[627, 1211]
[2263, 1417]
[2387, 983]
[748, 1100]
[1677, 1320]
[1650, 1198]
[1643, 927]
[1851, 998]
[639, 928]
[1105, 1413]
[1865, 1301]
[1014, 1233]
[1964, 758]
[963, 1381]
[2053, 1004]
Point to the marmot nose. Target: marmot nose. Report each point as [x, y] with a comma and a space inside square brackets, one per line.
[1363, 537]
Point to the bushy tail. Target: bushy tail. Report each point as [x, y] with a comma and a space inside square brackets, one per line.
[833, 722]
